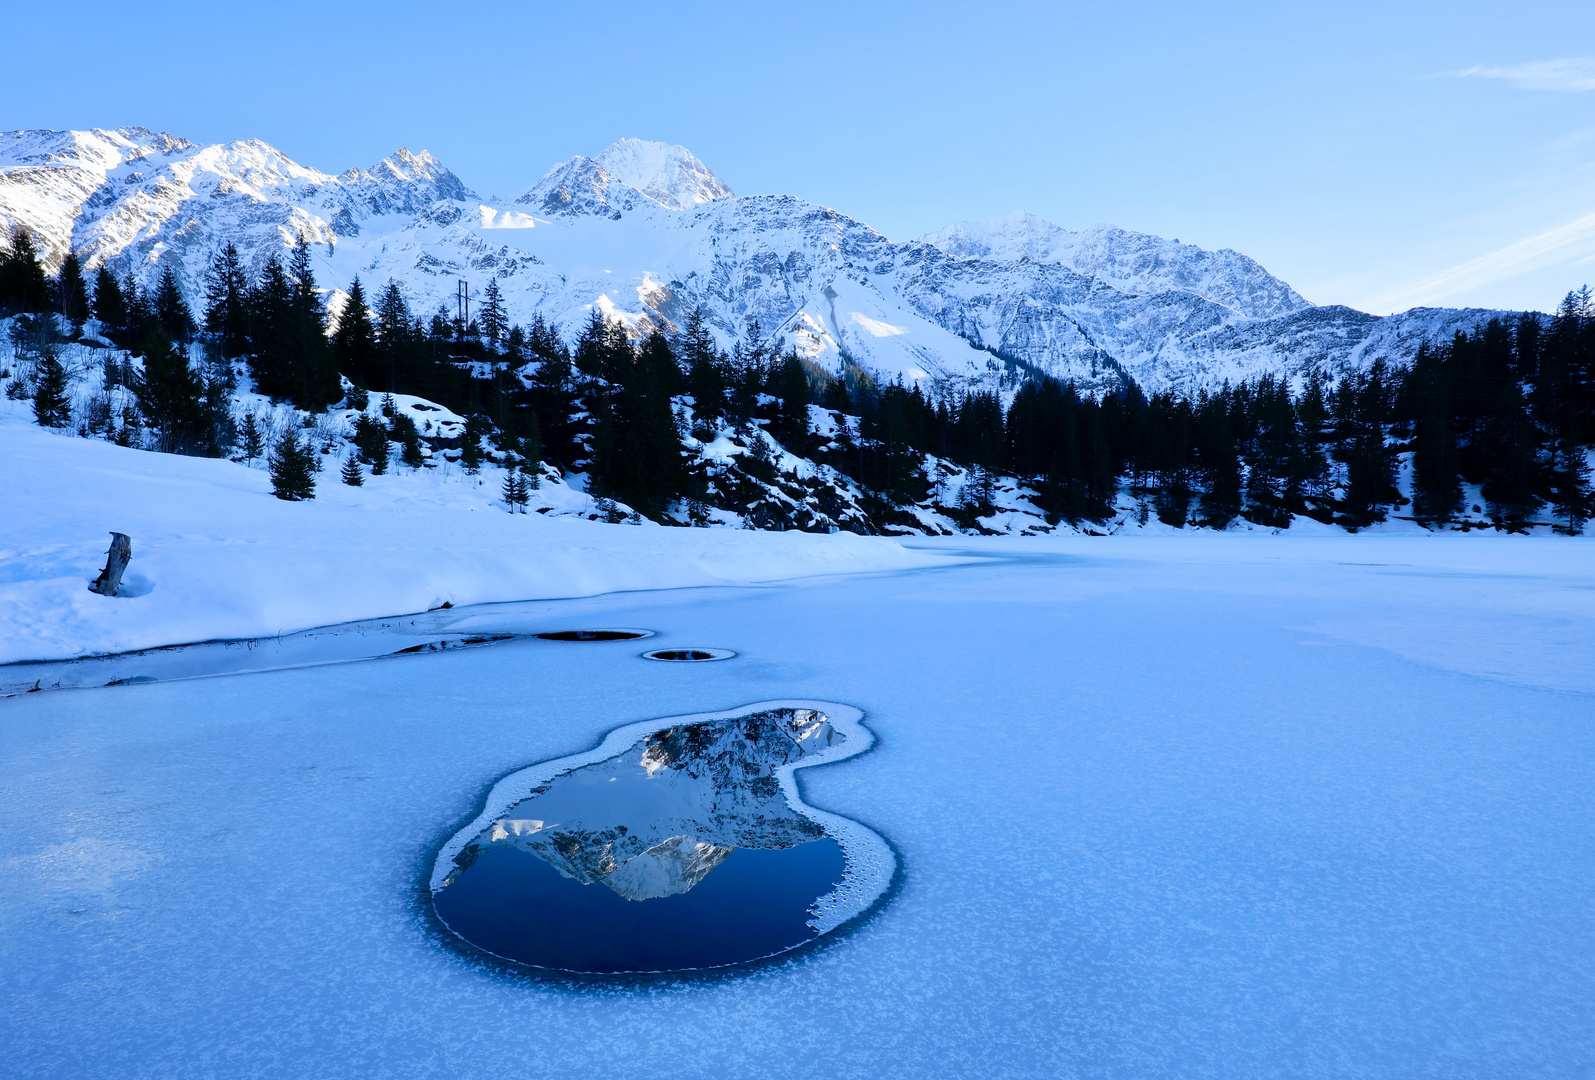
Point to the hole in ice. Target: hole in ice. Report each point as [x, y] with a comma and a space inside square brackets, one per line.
[674, 846]
[689, 654]
[595, 635]
[455, 643]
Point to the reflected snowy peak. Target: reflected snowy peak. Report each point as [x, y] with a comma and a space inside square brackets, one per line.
[655, 820]
[705, 854]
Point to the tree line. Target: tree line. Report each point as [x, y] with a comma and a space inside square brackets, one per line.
[1509, 408]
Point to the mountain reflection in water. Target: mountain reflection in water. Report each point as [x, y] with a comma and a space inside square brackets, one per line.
[677, 811]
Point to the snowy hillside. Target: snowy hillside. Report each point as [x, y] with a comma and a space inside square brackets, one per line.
[645, 232]
[215, 556]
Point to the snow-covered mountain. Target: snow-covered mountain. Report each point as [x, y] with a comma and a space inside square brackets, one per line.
[644, 232]
[1129, 261]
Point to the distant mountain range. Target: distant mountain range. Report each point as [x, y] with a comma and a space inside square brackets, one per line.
[645, 232]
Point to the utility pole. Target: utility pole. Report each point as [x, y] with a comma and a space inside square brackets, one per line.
[462, 306]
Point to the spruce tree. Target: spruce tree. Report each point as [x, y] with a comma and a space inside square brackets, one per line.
[354, 341]
[253, 442]
[170, 310]
[395, 338]
[313, 376]
[292, 469]
[140, 311]
[380, 457]
[1361, 408]
[791, 385]
[109, 306]
[411, 454]
[511, 491]
[171, 395]
[23, 287]
[471, 444]
[705, 369]
[51, 408]
[493, 322]
[227, 302]
[73, 291]
[351, 471]
[272, 357]
[1568, 483]
[1219, 458]
[1436, 482]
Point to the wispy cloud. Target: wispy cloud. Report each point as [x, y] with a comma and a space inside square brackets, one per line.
[1532, 253]
[1569, 75]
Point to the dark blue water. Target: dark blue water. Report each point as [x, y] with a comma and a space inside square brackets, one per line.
[754, 904]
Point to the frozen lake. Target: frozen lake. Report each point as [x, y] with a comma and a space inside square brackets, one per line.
[1185, 807]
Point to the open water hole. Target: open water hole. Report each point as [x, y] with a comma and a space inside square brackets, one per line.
[672, 847]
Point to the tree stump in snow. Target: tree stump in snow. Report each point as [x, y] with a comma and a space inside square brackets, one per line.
[116, 561]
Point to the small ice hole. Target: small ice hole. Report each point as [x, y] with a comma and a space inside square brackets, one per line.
[593, 635]
[689, 654]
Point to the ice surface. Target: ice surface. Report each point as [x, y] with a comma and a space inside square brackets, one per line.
[1161, 812]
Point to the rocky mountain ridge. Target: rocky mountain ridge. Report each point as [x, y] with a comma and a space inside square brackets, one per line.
[644, 232]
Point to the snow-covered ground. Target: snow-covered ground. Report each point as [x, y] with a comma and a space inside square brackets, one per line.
[1187, 805]
[216, 556]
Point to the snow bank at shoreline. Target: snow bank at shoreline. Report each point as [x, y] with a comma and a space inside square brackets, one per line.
[215, 556]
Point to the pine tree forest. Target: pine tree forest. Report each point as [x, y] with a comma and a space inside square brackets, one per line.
[1489, 429]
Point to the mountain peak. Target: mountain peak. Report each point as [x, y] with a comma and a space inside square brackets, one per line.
[669, 175]
[1133, 262]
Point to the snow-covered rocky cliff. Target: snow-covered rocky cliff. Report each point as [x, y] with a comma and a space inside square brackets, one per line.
[644, 232]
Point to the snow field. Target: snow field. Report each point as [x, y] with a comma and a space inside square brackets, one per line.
[216, 556]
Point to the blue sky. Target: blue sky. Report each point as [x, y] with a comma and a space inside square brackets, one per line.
[1379, 155]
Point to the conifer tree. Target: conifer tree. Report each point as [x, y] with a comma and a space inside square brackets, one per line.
[792, 387]
[354, 341]
[292, 469]
[1219, 457]
[73, 291]
[23, 287]
[170, 310]
[140, 311]
[395, 338]
[314, 383]
[411, 454]
[705, 369]
[227, 302]
[494, 324]
[516, 491]
[1436, 481]
[271, 357]
[351, 472]
[371, 440]
[109, 306]
[171, 395]
[1561, 399]
[1569, 484]
[51, 407]
[253, 442]
[1361, 406]
[471, 444]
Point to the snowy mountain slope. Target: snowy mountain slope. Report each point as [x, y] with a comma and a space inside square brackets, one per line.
[136, 201]
[644, 232]
[1131, 262]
